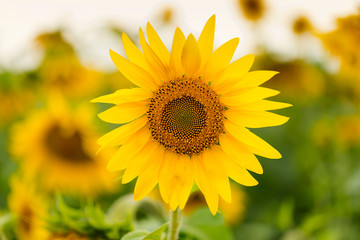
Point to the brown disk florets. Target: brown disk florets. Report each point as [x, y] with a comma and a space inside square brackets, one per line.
[68, 147]
[185, 115]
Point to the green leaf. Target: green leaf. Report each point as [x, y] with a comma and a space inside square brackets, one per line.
[203, 217]
[145, 235]
[122, 210]
[157, 234]
[135, 235]
[7, 228]
[204, 226]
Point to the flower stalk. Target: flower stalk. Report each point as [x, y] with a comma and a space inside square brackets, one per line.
[174, 225]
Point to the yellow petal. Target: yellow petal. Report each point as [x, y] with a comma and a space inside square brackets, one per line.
[264, 105]
[239, 173]
[157, 45]
[219, 59]
[248, 96]
[204, 183]
[255, 78]
[174, 200]
[126, 152]
[190, 56]
[133, 72]
[141, 160]
[176, 50]
[166, 172]
[240, 153]
[124, 96]
[233, 73]
[256, 144]
[215, 168]
[181, 180]
[206, 39]
[162, 71]
[148, 178]
[120, 134]
[134, 54]
[124, 113]
[187, 179]
[255, 119]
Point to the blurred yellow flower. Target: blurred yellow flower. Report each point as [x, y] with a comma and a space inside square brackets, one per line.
[343, 43]
[61, 70]
[66, 74]
[233, 212]
[187, 122]
[298, 78]
[30, 209]
[253, 10]
[54, 44]
[69, 236]
[348, 130]
[167, 15]
[58, 145]
[323, 132]
[302, 25]
[13, 103]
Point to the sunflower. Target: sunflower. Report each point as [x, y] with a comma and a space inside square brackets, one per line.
[253, 10]
[302, 25]
[57, 145]
[348, 130]
[342, 43]
[69, 236]
[298, 78]
[30, 209]
[187, 121]
[61, 70]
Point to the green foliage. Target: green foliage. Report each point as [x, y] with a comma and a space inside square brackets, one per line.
[7, 226]
[157, 234]
[88, 219]
[202, 225]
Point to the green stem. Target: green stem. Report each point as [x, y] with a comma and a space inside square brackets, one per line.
[174, 225]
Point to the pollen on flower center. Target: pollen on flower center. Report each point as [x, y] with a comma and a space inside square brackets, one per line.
[185, 116]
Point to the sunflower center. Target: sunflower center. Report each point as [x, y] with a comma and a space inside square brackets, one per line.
[185, 116]
[25, 220]
[68, 147]
[252, 5]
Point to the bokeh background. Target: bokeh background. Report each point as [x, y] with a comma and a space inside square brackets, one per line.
[54, 59]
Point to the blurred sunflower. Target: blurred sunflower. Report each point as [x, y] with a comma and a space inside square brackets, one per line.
[253, 10]
[348, 130]
[69, 236]
[61, 70]
[323, 132]
[58, 145]
[233, 212]
[188, 119]
[298, 77]
[167, 15]
[30, 209]
[342, 43]
[302, 25]
[14, 98]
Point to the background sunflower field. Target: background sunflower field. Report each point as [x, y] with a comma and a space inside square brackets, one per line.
[54, 60]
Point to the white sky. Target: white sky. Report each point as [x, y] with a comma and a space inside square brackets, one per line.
[22, 20]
